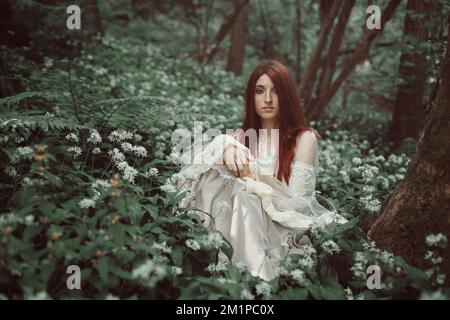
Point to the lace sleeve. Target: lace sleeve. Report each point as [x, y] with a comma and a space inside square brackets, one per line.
[303, 179]
[303, 169]
[198, 162]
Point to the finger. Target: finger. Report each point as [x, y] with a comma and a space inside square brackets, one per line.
[247, 170]
[234, 169]
[241, 169]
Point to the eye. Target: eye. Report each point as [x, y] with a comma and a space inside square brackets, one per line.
[259, 90]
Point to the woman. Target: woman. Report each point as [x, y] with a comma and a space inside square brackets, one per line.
[258, 185]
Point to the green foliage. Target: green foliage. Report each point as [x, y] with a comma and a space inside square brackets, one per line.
[86, 181]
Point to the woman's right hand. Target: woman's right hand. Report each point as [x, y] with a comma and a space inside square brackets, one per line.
[237, 160]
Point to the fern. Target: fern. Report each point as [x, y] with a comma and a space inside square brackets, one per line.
[16, 99]
[34, 121]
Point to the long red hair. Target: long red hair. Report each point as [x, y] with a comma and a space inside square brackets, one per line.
[292, 118]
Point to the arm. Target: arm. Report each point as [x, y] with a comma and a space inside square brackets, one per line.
[303, 175]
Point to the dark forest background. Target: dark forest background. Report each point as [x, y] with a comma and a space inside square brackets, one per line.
[87, 168]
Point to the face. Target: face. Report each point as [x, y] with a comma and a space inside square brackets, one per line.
[266, 100]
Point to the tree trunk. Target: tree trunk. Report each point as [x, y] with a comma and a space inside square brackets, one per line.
[409, 111]
[361, 51]
[236, 53]
[330, 62]
[223, 31]
[306, 84]
[92, 21]
[420, 205]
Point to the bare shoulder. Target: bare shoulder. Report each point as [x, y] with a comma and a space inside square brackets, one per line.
[306, 148]
[307, 139]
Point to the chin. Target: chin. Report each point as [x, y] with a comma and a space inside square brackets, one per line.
[267, 117]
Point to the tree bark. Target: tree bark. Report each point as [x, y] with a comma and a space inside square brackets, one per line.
[223, 31]
[305, 86]
[420, 205]
[409, 113]
[330, 62]
[236, 53]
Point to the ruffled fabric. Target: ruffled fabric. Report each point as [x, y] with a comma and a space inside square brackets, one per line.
[259, 215]
[293, 209]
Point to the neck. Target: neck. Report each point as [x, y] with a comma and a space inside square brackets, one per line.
[269, 125]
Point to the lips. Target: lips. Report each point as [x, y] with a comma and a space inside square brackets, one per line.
[268, 109]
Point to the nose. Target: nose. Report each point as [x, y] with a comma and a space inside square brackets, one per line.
[268, 96]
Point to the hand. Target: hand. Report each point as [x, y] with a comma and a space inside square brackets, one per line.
[236, 160]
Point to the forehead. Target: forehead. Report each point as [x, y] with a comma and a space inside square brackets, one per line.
[264, 80]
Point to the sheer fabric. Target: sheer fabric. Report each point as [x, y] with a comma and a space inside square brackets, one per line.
[259, 215]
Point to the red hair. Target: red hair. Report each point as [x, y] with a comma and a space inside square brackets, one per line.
[292, 119]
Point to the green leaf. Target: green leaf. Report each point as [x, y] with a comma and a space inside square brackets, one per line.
[117, 230]
[177, 256]
[47, 207]
[102, 267]
[54, 180]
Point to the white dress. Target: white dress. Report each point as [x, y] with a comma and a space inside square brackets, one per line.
[258, 215]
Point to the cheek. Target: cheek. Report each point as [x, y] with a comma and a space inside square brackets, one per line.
[259, 101]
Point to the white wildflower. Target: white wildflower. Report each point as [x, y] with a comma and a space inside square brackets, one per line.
[307, 262]
[22, 153]
[193, 244]
[176, 271]
[101, 183]
[220, 266]
[387, 258]
[144, 270]
[29, 219]
[368, 172]
[75, 151]
[212, 240]
[168, 188]
[356, 161]
[86, 203]
[298, 275]
[94, 137]
[116, 155]
[345, 176]
[440, 279]
[27, 182]
[10, 171]
[368, 245]
[129, 174]
[119, 136]
[72, 137]
[140, 151]
[370, 204]
[349, 293]
[126, 146]
[437, 240]
[330, 247]
[19, 140]
[263, 289]
[151, 173]
[368, 189]
[96, 151]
